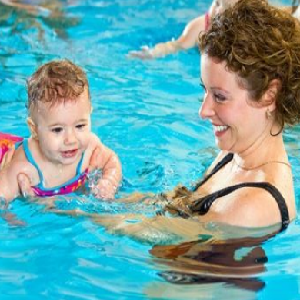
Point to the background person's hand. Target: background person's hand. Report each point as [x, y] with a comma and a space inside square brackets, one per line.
[144, 53]
[159, 50]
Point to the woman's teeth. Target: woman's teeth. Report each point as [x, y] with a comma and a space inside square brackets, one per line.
[220, 128]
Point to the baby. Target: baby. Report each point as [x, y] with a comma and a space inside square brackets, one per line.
[57, 158]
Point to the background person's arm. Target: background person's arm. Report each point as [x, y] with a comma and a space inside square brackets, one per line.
[187, 40]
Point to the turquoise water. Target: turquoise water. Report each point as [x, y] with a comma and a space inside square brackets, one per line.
[147, 113]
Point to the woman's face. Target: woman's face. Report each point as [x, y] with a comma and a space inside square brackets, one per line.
[238, 122]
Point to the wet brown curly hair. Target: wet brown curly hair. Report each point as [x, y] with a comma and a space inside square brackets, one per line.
[55, 82]
[259, 43]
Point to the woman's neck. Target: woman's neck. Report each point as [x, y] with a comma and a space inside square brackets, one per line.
[267, 150]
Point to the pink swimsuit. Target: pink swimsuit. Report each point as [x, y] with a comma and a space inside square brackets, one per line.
[7, 141]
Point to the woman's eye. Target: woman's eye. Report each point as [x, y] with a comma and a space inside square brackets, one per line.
[219, 98]
[57, 129]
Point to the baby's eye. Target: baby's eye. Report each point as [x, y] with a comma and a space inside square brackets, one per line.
[57, 129]
[80, 126]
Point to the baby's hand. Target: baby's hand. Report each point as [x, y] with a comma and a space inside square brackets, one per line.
[104, 189]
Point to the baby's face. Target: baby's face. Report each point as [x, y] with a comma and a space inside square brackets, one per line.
[63, 130]
[219, 6]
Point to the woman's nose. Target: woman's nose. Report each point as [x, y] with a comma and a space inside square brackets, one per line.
[206, 110]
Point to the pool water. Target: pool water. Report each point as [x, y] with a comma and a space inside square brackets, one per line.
[147, 112]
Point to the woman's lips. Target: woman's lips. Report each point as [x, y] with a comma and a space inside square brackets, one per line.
[220, 129]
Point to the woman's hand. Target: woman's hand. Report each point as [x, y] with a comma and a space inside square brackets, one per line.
[7, 157]
[25, 185]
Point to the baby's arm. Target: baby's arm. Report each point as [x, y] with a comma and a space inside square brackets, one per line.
[105, 159]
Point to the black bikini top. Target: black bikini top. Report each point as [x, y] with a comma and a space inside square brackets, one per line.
[203, 204]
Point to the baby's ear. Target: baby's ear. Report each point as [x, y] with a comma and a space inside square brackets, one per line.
[32, 127]
[271, 94]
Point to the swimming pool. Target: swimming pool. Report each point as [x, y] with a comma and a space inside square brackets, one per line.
[147, 113]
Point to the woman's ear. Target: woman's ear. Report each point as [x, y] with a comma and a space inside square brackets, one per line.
[270, 95]
[32, 127]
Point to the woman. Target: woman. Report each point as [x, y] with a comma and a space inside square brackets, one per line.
[250, 68]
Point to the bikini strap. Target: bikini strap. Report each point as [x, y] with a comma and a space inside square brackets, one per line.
[79, 166]
[33, 162]
[202, 205]
[225, 160]
[206, 21]
[31, 159]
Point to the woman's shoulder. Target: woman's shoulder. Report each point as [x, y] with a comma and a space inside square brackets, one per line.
[267, 195]
[248, 207]
[280, 176]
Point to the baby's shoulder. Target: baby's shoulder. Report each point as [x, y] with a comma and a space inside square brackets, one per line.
[20, 164]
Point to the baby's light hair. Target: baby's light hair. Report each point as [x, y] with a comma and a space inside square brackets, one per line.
[56, 82]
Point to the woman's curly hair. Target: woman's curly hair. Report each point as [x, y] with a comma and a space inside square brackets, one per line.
[259, 43]
[55, 82]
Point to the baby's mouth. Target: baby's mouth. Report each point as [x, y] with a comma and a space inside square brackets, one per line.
[69, 153]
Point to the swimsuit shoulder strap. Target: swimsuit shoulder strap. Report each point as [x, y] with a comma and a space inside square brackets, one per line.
[67, 187]
[202, 205]
[79, 166]
[225, 160]
[206, 21]
[31, 159]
